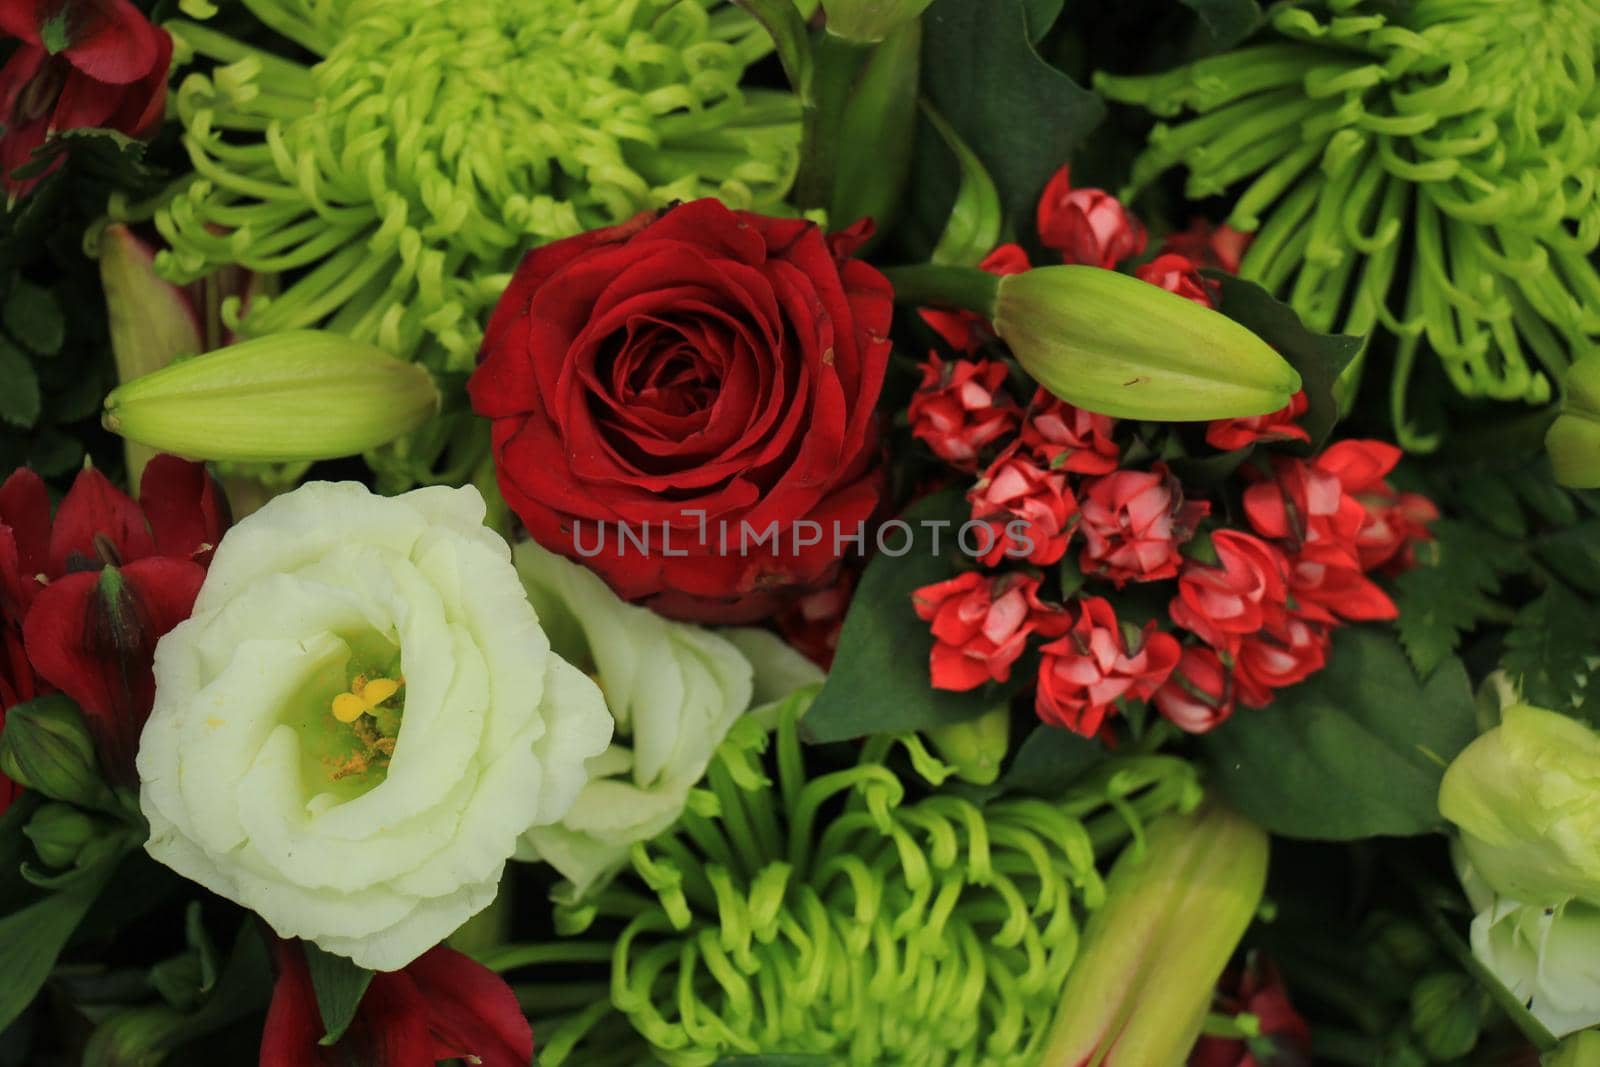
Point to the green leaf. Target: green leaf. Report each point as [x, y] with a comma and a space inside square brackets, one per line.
[1450, 591]
[1021, 116]
[19, 395]
[1227, 21]
[1548, 652]
[1574, 554]
[33, 317]
[879, 682]
[1319, 357]
[974, 226]
[1049, 761]
[340, 984]
[782, 21]
[1355, 751]
[1042, 15]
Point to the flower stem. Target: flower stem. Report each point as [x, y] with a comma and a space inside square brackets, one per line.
[836, 62]
[963, 288]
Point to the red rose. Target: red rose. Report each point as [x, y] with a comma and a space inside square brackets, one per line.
[1198, 696]
[1181, 275]
[1028, 509]
[1217, 247]
[1087, 226]
[964, 331]
[1097, 663]
[1068, 438]
[442, 1006]
[1394, 522]
[1258, 990]
[1228, 434]
[77, 64]
[961, 408]
[981, 625]
[1134, 522]
[90, 593]
[1222, 603]
[686, 403]
[1287, 650]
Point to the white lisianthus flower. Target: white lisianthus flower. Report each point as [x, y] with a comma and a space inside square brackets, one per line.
[360, 719]
[674, 689]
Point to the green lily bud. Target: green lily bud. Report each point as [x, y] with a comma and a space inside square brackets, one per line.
[299, 395]
[1446, 1014]
[47, 748]
[1579, 1050]
[1113, 344]
[870, 21]
[1175, 911]
[1574, 438]
[1526, 796]
[977, 747]
[58, 833]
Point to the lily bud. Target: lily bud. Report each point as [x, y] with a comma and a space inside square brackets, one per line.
[298, 395]
[1110, 343]
[1175, 911]
[1573, 440]
[977, 747]
[870, 21]
[59, 832]
[47, 748]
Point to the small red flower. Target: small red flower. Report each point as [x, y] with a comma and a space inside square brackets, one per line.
[812, 623]
[77, 65]
[1284, 1041]
[1098, 662]
[965, 331]
[1225, 435]
[1305, 506]
[1069, 438]
[1395, 522]
[1223, 603]
[1029, 510]
[1087, 226]
[442, 1006]
[1216, 247]
[1287, 650]
[1329, 592]
[981, 625]
[961, 408]
[1199, 694]
[1133, 523]
[1180, 275]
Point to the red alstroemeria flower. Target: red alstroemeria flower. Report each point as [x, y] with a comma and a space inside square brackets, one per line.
[1217, 247]
[1284, 1041]
[1198, 695]
[1087, 226]
[1097, 663]
[961, 408]
[1395, 522]
[1287, 650]
[1180, 275]
[965, 331]
[442, 1006]
[981, 625]
[1225, 435]
[1133, 523]
[1029, 510]
[1068, 438]
[1222, 603]
[78, 64]
[93, 590]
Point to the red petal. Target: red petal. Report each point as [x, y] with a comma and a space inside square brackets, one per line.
[25, 508]
[294, 1023]
[471, 1011]
[94, 506]
[187, 513]
[115, 43]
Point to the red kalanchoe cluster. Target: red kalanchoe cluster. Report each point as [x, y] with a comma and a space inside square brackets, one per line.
[1283, 1038]
[981, 624]
[442, 1006]
[1199, 692]
[1098, 662]
[961, 408]
[1087, 226]
[1028, 509]
[1181, 275]
[1209, 246]
[1226, 435]
[1394, 521]
[812, 623]
[76, 65]
[965, 331]
[85, 597]
[1067, 438]
[1134, 522]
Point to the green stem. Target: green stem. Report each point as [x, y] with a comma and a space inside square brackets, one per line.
[836, 62]
[962, 288]
[1344, 1046]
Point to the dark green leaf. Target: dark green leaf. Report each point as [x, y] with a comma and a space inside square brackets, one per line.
[340, 984]
[1042, 15]
[1450, 591]
[1355, 751]
[782, 21]
[1319, 357]
[1227, 21]
[1049, 760]
[1493, 502]
[879, 682]
[53, 453]
[1574, 554]
[19, 387]
[974, 226]
[33, 317]
[1548, 651]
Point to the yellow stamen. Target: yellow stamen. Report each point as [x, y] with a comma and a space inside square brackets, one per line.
[364, 697]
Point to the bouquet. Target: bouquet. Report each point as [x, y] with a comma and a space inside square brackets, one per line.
[779, 533]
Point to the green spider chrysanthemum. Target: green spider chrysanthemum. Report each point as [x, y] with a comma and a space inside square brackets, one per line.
[834, 917]
[1428, 166]
[397, 179]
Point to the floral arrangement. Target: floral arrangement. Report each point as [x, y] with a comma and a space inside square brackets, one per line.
[788, 533]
